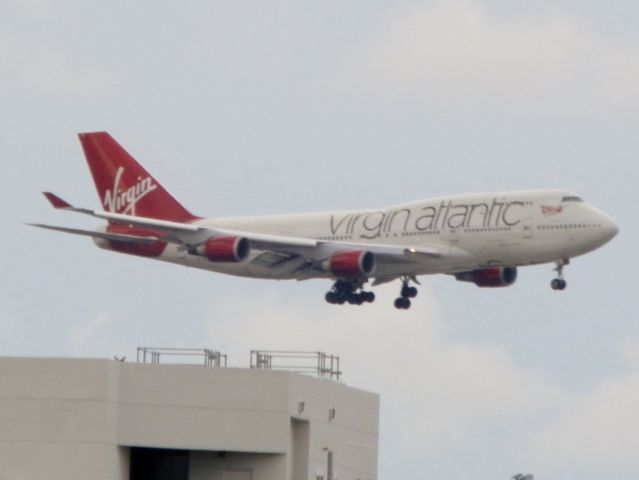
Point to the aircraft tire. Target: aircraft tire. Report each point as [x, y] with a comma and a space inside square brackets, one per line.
[402, 303]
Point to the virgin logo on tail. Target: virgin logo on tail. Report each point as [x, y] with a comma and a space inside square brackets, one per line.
[124, 201]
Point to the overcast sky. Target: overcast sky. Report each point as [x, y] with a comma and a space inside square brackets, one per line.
[257, 107]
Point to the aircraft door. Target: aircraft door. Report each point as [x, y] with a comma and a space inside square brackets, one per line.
[453, 236]
[528, 228]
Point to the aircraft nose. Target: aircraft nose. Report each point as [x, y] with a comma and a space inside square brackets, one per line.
[608, 228]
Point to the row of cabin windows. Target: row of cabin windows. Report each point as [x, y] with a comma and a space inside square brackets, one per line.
[565, 226]
[559, 226]
[424, 232]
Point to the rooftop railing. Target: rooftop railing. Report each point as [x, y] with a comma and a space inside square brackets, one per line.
[314, 363]
[188, 356]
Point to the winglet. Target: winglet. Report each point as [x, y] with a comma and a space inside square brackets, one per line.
[56, 201]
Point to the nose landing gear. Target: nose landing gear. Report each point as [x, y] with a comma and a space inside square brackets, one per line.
[559, 283]
[406, 293]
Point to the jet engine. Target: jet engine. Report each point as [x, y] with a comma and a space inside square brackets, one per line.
[490, 277]
[225, 249]
[351, 264]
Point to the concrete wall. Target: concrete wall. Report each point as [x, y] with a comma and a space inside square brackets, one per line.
[58, 420]
[68, 419]
[352, 435]
[167, 405]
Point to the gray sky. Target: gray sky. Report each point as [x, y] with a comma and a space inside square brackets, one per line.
[243, 108]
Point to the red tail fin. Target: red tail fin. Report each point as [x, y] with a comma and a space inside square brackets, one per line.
[124, 186]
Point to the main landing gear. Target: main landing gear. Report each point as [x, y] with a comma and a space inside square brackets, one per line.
[345, 291]
[406, 293]
[559, 283]
[352, 292]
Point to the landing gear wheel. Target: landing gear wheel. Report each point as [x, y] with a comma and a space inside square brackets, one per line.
[350, 291]
[408, 291]
[355, 299]
[334, 297]
[402, 303]
[558, 284]
[344, 287]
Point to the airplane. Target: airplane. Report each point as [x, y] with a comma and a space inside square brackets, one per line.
[479, 238]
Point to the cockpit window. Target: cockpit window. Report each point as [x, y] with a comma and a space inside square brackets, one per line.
[572, 198]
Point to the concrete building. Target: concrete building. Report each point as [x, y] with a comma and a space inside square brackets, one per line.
[67, 419]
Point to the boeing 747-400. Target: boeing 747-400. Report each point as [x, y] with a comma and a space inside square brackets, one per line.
[480, 238]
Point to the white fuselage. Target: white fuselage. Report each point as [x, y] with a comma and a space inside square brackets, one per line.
[476, 230]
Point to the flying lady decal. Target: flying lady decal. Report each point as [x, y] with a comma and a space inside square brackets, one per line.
[551, 210]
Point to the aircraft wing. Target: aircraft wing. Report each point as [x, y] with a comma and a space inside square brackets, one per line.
[153, 223]
[187, 231]
[116, 237]
[285, 248]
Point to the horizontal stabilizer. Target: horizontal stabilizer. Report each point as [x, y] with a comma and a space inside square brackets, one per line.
[56, 201]
[61, 204]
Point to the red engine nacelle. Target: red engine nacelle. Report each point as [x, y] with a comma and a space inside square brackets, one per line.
[351, 264]
[490, 277]
[225, 249]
